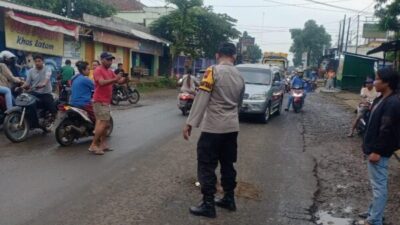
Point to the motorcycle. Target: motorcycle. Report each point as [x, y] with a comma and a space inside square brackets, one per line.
[73, 124]
[3, 109]
[65, 93]
[185, 102]
[298, 98]
[363, 123]
[287, 84]
[121, 93]
[26, 116]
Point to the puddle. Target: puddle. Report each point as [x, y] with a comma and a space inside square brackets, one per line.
[327, 219]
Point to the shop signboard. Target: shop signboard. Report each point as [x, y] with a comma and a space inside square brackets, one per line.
[373, 31]
[33, 39]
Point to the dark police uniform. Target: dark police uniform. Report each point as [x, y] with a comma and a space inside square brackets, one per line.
[215, 110]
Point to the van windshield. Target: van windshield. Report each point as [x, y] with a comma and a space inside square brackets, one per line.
[256, 76]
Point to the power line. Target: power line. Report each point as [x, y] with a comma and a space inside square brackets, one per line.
[335, 6]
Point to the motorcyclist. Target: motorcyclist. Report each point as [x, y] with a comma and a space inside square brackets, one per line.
[189, 83]
[10, 59]
[297, 81]
[7, 81]
[82, 89]
[38, 80]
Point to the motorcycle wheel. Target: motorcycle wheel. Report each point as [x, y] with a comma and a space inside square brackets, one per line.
[184, 111]
[63, 137]
[114, 100]
[134, 97]
[296, 108]
[12, 130]
[111, 128]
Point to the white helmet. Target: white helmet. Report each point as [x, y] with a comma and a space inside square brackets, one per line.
[7, 55]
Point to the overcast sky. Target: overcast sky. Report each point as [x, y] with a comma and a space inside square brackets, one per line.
[269, 21]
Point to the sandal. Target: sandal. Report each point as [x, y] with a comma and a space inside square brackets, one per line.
[101, 152]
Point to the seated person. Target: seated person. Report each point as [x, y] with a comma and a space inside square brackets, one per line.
[189, 83]
[368, 95]
[38, 80]
[82, 89]
[7, 80]
[297, 81]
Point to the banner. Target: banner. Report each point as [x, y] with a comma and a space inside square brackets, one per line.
[33, 39]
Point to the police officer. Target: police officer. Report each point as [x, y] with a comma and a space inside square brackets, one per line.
[216, 108]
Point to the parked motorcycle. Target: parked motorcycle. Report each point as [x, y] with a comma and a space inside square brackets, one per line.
[26, 116]
[74, 124]
[185, 102]
[298, 98]
[363, 123]
[122, 93]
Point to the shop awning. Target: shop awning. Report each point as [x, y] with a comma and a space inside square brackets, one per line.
[390, 46]
[47, 24]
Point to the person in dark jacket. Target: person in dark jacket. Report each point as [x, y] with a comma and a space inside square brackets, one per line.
[381, 141]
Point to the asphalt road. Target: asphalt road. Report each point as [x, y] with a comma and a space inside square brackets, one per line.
[150, 177]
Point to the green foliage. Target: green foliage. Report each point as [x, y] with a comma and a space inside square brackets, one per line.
[253, 53]
[78, 7]
[194, 30]
[389, 14]
[312, 39]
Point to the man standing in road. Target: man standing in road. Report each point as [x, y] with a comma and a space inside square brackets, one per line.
[216, 108]
[381, 140]
[104, 79]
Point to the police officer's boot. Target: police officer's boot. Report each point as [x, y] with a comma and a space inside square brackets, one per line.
[206, 208]
[227, 202]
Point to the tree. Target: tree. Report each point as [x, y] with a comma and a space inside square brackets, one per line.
[312, 40]
[193, 29]
[389, 15]
[253, 53]
[76, 7]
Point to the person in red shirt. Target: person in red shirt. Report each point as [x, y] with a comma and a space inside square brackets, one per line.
[104, 79]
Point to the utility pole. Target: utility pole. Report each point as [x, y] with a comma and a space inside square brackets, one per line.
[358, 31]
[342, 38]
[340, 35]
[348, 34]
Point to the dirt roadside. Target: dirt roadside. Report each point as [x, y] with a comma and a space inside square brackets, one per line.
[343, 185]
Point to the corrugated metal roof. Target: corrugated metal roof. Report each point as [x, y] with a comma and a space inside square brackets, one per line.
[38, 12]
[110, 25]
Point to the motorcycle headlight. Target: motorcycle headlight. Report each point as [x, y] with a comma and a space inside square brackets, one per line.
[257, 97]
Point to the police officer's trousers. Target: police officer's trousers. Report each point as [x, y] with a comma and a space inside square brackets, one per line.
[211, 149]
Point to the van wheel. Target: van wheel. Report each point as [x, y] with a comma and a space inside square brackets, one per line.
[265, 117]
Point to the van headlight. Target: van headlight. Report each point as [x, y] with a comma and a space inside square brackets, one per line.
[258, 97]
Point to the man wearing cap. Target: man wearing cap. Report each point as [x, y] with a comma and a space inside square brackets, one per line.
[368, 95]
[216, 108]
[104, 79]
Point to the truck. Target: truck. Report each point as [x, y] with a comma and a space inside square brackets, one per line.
[278, 59]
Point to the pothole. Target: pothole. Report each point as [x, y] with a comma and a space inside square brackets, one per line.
[243, 189]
